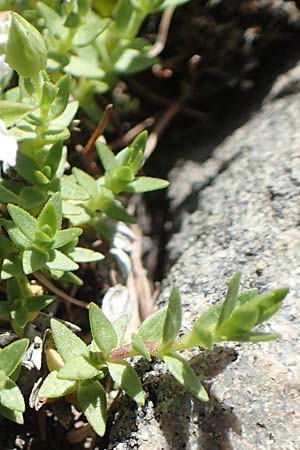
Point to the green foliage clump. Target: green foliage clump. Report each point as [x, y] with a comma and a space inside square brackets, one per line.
[84, 366]
[12, 403]
[46, 206]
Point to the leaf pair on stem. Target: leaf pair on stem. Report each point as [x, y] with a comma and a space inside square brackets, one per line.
[84, 366]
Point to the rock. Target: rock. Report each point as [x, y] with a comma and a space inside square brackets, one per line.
[246, 202]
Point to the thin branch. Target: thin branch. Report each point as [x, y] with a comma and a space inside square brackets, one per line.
[157, 99]
[49, 285]
[99, 129]
[162, 34]
[146, 304]
[171, 112]
[131, 134]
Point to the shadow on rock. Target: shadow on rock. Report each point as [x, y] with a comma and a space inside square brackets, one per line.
[173, 416]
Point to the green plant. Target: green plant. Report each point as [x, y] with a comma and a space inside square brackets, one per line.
[46, 206]
[82, 367]
[12, 404]
[36, 195]
[95, 42]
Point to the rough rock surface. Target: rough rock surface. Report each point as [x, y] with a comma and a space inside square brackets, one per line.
[246, 202]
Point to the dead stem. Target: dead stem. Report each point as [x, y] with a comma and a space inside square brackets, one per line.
[157, 99]
[174, 108]
[99, 129]
[131, 134]
[162, 34]
[49, 285]
[145, 299]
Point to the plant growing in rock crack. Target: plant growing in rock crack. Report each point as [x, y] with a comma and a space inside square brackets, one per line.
[94, 42]
[44, 211]
[80, 368]
[40, 203]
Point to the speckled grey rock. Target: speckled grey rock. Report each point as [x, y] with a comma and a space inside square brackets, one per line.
[246, 217]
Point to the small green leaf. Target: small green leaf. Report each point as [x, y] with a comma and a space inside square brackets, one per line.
[33, 260]
[10, 267]
[11, 397]
[10, 112]
[269, 303]
[152, 328]
[62, 97]
[106, 156]
[54, 387]
[11, 355]
[59, 261]
[133, 60]
[14, 416]
[199, 336]
[86, 182]
[139, 347]
[26, 167]
[38, 302]
[23, 220]
[67, 343]
[70, 190]
[146, 184]
[3, 379]
[6, 195]
[19, 318]
[230, 299]
[81, 68]
[84, 255]
[53, 20]
[78, 368]
[173, 319]
[138, 145]
[120, 326]
[102, 330]
[64, 237]
[243, 319]
[245, 296]
[184, 374]
[54, 157]
[48, 217]
[31, 198]
[88, 32]
[92, 401]
[125, 376]
[114, 209]
[16, 235]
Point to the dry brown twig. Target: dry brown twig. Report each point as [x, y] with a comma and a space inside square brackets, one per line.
[49, 285]
[171, 112]
[162, 34]
[85, 152]
[99, 129]
[131, 134]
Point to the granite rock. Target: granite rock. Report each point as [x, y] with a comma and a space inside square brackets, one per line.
[246, 216]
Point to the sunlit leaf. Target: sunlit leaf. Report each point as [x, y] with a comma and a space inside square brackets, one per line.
[102, 330]
[92, 401]
[78, 368]
[54, 387]
[125, 376]
[230, 299]
[172, 322]
[184, 374]
[11, 397]
[11, 355]
[67, 343]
